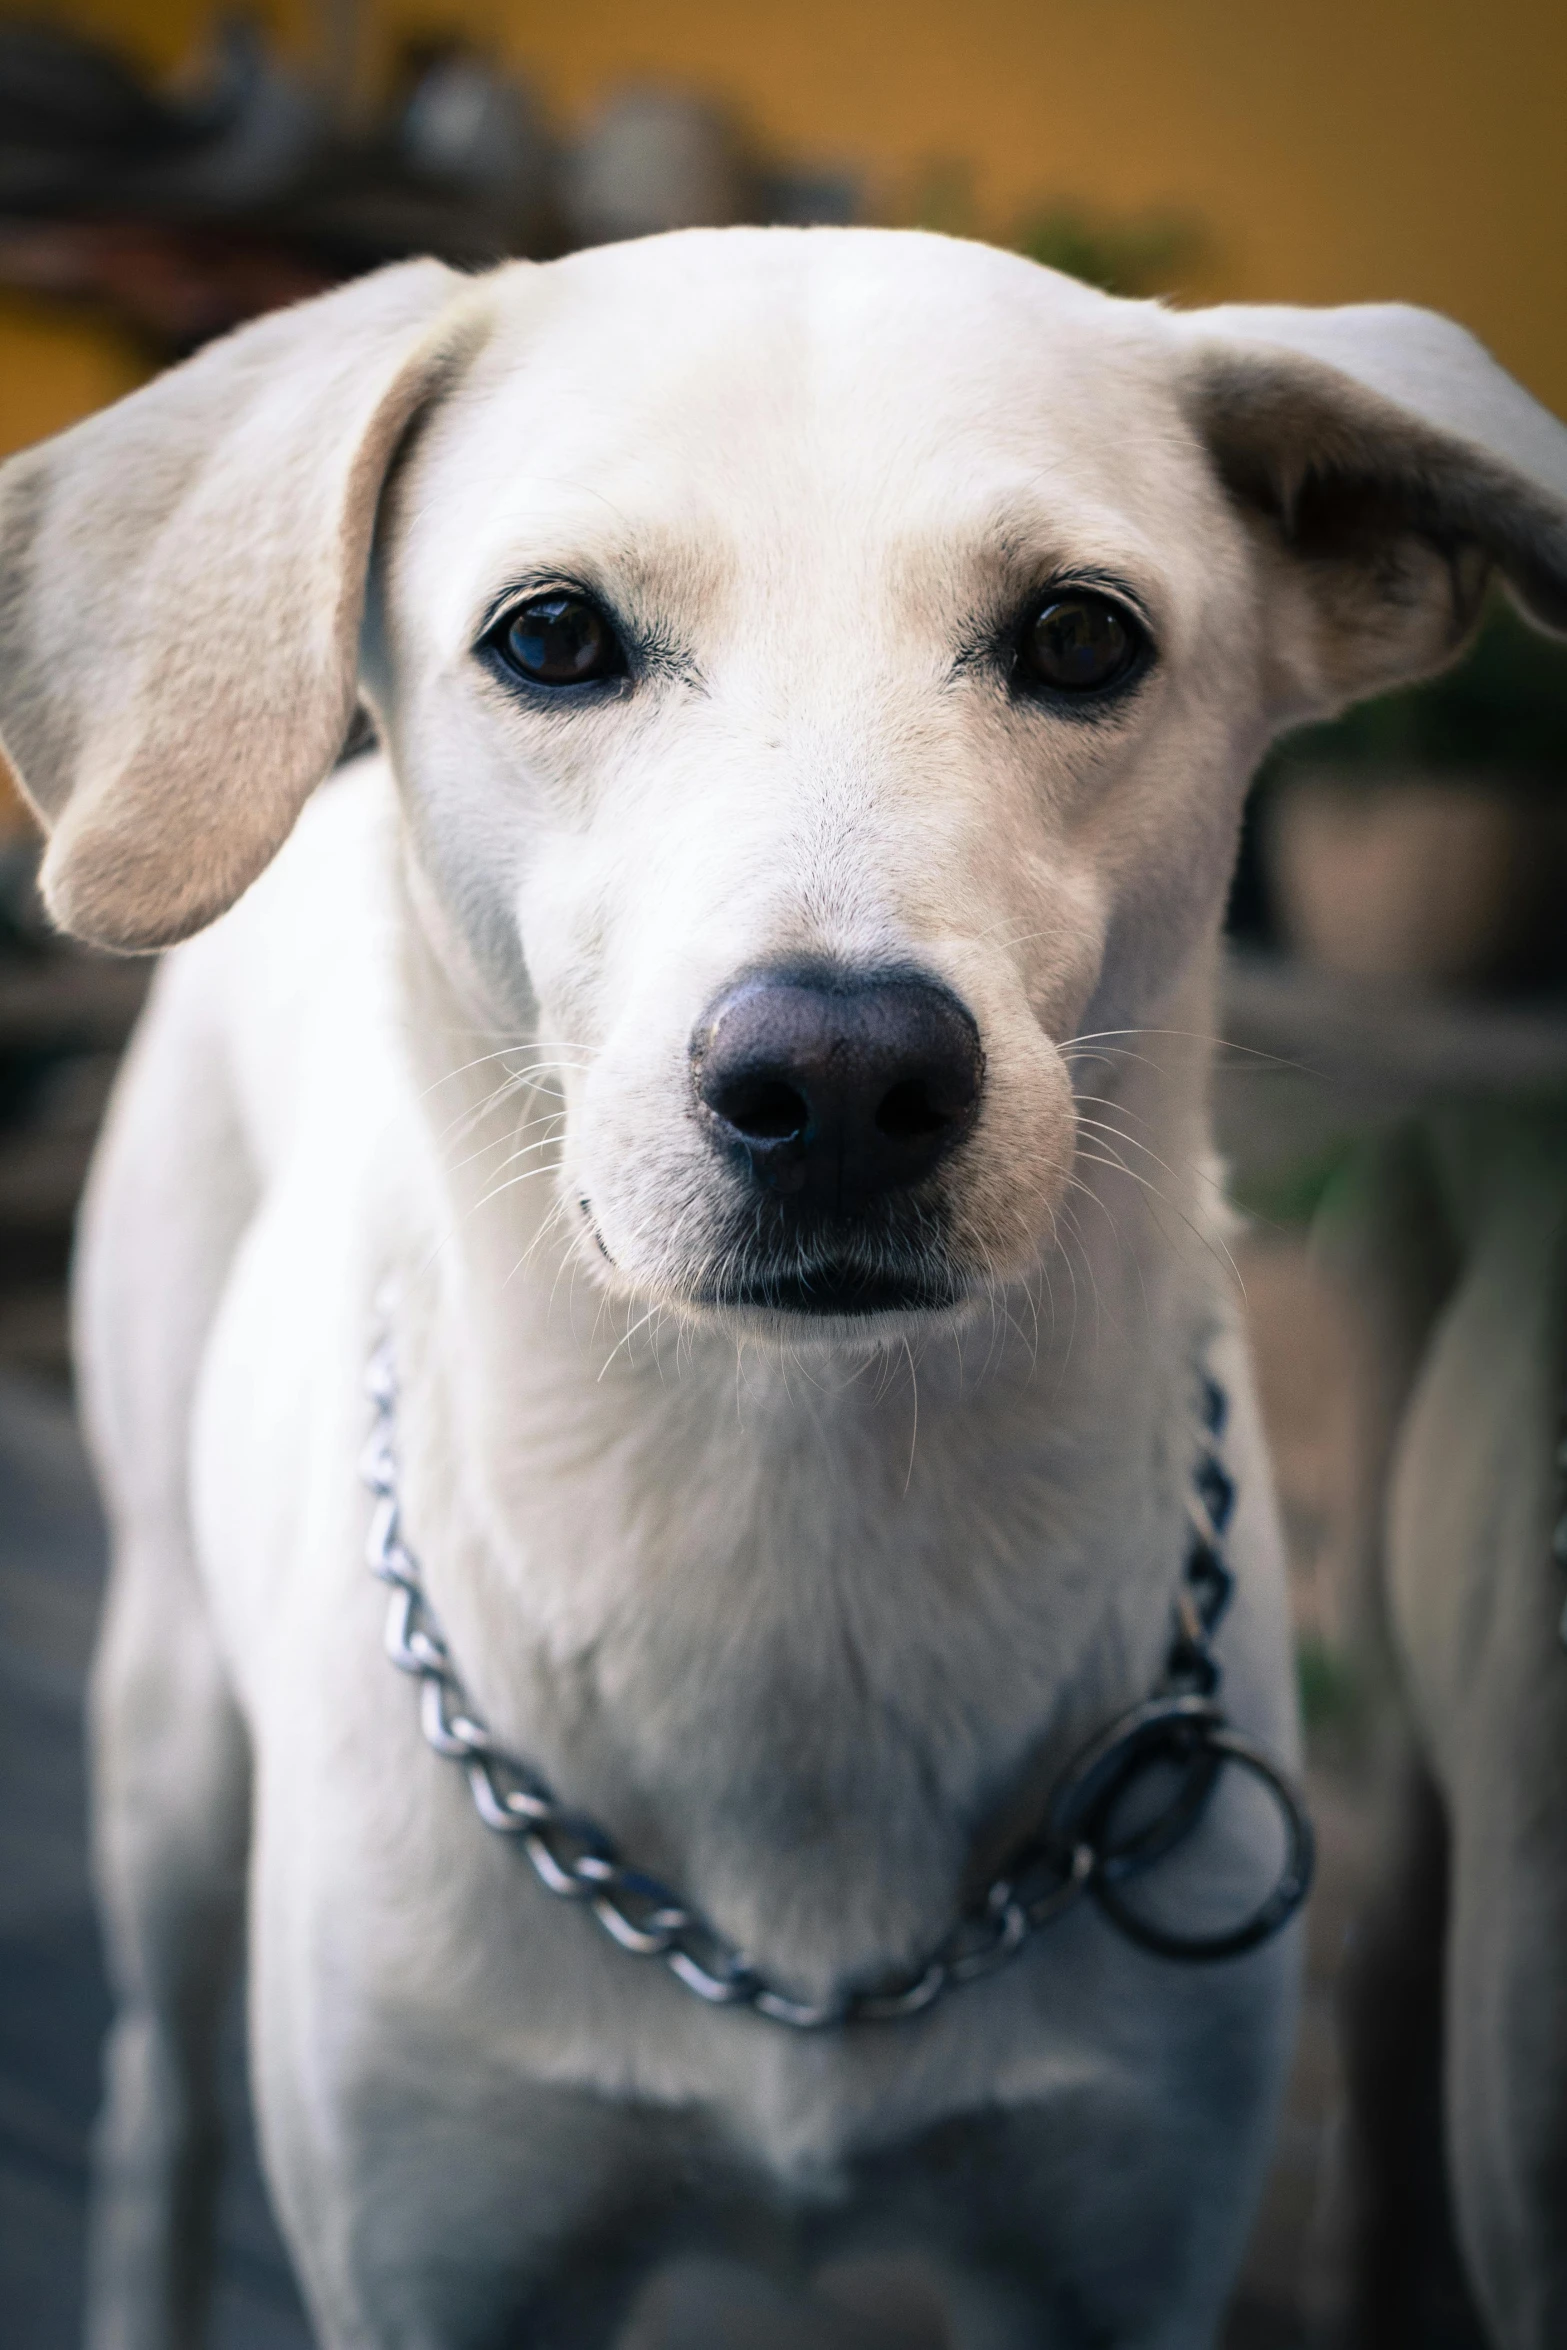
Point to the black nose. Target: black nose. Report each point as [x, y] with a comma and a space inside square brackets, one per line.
[836, 1090]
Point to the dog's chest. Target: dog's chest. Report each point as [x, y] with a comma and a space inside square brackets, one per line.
[801, 1709]
[800, 1681]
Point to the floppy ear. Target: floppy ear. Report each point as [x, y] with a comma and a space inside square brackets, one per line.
[1392, 466]
[181, 583]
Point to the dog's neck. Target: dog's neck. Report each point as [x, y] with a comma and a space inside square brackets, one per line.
[829, 1608]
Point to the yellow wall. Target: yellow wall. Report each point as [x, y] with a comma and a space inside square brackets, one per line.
[1339, 151]
[1343, 150]
[57, 365]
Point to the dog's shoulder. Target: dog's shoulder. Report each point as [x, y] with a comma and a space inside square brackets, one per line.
[296, 983]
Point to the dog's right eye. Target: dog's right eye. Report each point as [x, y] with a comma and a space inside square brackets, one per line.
[558, 639]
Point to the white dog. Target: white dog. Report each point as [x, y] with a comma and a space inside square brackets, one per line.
[737, 1063]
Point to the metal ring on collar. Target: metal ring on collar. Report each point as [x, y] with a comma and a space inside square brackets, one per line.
[1289, 1889]
[1168, 1729]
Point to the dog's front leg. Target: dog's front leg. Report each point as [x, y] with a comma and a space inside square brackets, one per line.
[171, 1775]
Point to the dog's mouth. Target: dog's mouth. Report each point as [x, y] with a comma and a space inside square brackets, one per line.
[782, 1274]
[794, 1269]
[835, 1291]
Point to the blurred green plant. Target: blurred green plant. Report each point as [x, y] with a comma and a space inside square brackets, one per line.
[1143, 254]
[1138, 256]
[1332, 1692]
[1288, 1196]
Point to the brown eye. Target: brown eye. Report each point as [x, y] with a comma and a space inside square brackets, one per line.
[559, 639]
[1079, 644]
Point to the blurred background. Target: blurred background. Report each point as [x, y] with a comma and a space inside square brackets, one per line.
[1398, 961]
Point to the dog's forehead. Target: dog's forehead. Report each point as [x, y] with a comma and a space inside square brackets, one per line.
[720, 388]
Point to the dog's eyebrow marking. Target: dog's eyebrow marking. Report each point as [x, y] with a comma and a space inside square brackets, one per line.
[1017, 545]
[1027, 557]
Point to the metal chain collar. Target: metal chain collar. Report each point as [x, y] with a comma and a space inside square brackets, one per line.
[1076, 1849]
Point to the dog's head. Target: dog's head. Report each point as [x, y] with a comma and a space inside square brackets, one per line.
[822, 671]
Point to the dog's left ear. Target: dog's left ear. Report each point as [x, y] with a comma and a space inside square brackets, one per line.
[1391, 466]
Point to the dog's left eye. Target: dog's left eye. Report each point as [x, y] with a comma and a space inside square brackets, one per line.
[1079, 642]
[559, 639]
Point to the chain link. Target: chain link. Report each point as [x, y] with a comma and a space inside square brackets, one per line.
[1075, 1851]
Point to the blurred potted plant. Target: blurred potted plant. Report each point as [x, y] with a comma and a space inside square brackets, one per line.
[1424, 835]
[1142, 254]
[1134, 254]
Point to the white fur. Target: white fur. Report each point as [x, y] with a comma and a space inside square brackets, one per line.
[810, 1614]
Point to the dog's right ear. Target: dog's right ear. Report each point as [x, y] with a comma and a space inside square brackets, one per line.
[1391, 468]
[181, 585]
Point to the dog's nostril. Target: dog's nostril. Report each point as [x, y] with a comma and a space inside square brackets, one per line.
[906, 1113]
[763, 1109]
[838, 1088]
